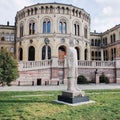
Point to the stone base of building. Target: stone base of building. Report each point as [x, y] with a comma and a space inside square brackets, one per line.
[118, 80]
[72, 97]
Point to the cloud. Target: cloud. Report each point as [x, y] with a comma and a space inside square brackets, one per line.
[107, 11]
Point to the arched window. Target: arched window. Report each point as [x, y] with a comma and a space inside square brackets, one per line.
[31, 53]
[76, 29]
[20, 54]
[48, 48]
[31, 11]
[85, 32]
[58, 9]
[31, 28]
[42, 9]
[28, 12]
[46, 10]
[36, 11]
[62, 26]
[78, 53]
[86, 54]
[61, 52]
[51, 9]
[114, 38]
[67, 10]
[92, 42]
[46, 26]
[21, 30]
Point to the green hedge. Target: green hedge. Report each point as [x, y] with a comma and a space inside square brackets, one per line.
[81, 79]
[104, 79]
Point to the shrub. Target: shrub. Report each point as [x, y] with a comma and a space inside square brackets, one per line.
[81, 79]
[104, 79]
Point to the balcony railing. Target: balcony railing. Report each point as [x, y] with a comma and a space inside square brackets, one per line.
[34, 65]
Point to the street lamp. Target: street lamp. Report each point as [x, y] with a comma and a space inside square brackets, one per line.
[46, 41]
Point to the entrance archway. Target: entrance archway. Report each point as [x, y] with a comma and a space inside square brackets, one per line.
[61, 52]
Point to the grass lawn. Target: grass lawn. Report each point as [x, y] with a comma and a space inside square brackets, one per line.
[40, 106]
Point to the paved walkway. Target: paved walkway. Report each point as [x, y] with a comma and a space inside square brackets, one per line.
[61, 87]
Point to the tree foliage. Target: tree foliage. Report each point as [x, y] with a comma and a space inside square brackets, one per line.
[8, 67]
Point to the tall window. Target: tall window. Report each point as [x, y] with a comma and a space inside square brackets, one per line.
[76, 29]
[21, 30]
[7, 37]
[31, 28]
[85, 32]
[86, 54]
[44, 52]
[20, 54]
[46, 26]
[12, 37]
[62, 27]
[92, 42]
[3, 36]
[31, 53]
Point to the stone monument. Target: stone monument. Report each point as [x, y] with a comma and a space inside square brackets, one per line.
[73, 94]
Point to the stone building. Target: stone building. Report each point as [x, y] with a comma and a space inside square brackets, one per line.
[106, 45]
[46, 30]
[42, 34]
[7, 37]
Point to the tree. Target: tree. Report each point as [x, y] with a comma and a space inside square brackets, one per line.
[8, 68]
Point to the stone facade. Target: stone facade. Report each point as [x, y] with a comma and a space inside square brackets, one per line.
[59, 23]
[7, 37]
[41, 36]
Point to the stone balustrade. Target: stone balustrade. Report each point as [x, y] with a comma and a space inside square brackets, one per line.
[96, 64]
[35, 65]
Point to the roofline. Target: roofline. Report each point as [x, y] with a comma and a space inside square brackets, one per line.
[70, 5]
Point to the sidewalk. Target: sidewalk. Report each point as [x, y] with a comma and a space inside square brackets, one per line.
[61, 87]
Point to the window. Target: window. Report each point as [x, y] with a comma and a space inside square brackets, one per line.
[21, 30]
[92, 42]
[31, 28]
[20, 54]
[76, 29]
[12, 37]
[114, 38]
[62, 27]
[7, 37]
[86, 54]
[46, 26]
[12, 50]
[85, 32]
[3, 36]
[44, 52]
[31, 53]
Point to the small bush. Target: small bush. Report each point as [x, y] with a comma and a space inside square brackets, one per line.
[81, 79]
[104, 79]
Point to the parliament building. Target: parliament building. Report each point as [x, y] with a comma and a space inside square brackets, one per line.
[41, 35]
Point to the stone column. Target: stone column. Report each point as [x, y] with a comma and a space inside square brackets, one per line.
[102, 54]
[97, 79]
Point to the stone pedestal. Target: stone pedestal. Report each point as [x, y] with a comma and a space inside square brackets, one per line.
[72, 97]
[97, 79]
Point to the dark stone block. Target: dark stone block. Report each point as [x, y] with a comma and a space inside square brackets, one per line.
[73, 100]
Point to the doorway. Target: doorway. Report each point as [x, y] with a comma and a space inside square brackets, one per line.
[38, 81]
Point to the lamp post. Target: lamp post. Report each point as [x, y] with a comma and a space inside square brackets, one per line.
[46, 41]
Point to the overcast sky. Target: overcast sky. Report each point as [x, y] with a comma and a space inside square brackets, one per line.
[104, 13]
